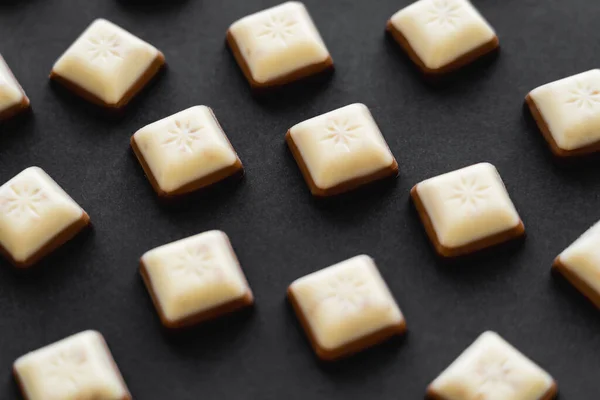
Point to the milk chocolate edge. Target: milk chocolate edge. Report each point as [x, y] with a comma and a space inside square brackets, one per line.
[245, 300]
[346, 186]
[233, 170]
[583, 287]
[549, 395]
[545, 130]
[348, 349]
[461, 61]
[133, 90]
[298, 74]
[52, 244]
[469, 248]
[114, 365]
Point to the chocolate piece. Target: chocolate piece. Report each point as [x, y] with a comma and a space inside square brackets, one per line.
[466, 210]
[580, 264]
[441, 36]
[492, 368]
[346, 308]
[185, 152]
[341, 150]
[278, 45]
[195, 279]
[12, 97]
[36, 217]
[107, 65]
[78, 367]
[567, 113]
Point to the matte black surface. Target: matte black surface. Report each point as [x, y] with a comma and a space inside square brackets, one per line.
[278, 231]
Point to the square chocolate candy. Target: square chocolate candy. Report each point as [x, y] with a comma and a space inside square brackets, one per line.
[580, 264]
[341, 150]
[36, 217]
[78, 367]
[567, 113]
[441, 36]
[492, 369]
[12, 97]
[107, 65]
[278, 45]
[466, 210]
[195, 279]
[185, 152]
[346, 308]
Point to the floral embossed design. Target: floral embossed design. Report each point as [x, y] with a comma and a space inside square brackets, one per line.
[104, 48]
[348, 291]
[494, 373]
[66, 370]
[341, 133]
[279, 28]
[22, 200]
[182, 135]
[197, 262]
[584, 96]
[469, 193]
[444, 13]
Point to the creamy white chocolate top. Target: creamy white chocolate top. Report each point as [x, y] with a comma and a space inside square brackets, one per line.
[278, 41]
[345, 302]
[341, 145]
[78, 367]
[184, 147]
[106, 61]
[33, 210]
[440, 31]
[467, 204]
[492, 369]
[11, 93]
[195, 274]
[582, 257]
[571, 109]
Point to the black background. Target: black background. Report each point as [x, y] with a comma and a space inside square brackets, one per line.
[277, 229]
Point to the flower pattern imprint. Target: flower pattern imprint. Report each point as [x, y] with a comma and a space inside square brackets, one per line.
[349, 292]
[182, 135]
[444, 13]
[279, 28]
[198, 262]
[469, 193]
[584, 96]
[341, 133]
[22, 199]
[104, 48]
[493, 373]
[66, 370]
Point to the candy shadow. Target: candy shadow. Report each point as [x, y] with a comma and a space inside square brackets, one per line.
[105, 115]
[354, 367]
[476, 266]
[16, 128]
[578, 303]
[458, 80]
[151, 6]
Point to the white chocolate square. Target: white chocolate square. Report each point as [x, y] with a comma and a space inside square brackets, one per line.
[467, 205]
[492, 369]
[346, 302]
[33, 210]
[440, 31]
[582, 257]
[278, 41]
[106, 61]
[571, 109]
[195, 274]
[341, 145]
[11, 92]
[77, 367]
[185, 147]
